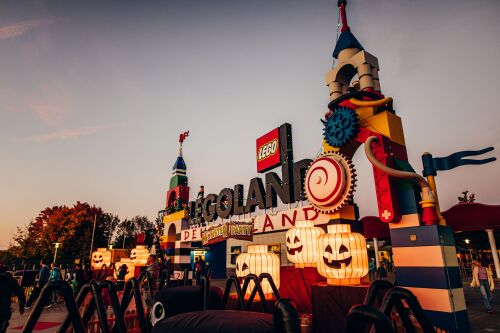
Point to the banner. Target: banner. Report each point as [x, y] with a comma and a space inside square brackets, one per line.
[226, 230]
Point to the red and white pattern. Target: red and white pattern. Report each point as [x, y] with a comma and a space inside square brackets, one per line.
[329, 182]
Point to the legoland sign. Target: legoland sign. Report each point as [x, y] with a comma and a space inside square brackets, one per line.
[261, 224]
[273, 149]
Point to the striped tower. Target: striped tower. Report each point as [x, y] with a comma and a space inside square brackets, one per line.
[424, 255]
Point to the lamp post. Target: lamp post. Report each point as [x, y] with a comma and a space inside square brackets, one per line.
[57, 244]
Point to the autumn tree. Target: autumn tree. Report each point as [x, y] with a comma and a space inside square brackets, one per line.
[72, 227]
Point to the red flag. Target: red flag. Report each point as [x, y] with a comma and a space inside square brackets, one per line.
[183, 136]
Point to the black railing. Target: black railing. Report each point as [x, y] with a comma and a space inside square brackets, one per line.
[286, 318]
[362, 315]
[119, 326]
[393, 299]
[43, 299]
[96, 303]
[205, 291]
[233, 281]
[132, 290]
[256, 289]
[377, 291]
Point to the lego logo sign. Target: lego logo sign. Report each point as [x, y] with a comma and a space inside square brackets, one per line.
[268, 151]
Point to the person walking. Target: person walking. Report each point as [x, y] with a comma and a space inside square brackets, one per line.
[78, 277]
[197, 270]
[43, 278]
[55, 275]
[120, 277]
[154, 272]
[381, 272]
[372, 268]
[482, 277]
[8, 288]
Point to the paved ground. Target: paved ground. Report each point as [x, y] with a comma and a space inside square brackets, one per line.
[481, 321]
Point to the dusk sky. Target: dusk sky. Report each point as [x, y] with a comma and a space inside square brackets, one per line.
[94, 94]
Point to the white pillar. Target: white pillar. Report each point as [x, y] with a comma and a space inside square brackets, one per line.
[375, 247]
[494, 251]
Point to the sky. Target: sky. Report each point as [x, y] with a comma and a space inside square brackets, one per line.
[94, 94]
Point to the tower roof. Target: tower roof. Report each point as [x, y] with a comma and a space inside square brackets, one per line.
[346, 41]
[179, 164]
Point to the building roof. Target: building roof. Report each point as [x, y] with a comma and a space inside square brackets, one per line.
[346, 41]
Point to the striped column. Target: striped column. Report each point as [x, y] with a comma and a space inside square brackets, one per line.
[426, 264]
[182, 256]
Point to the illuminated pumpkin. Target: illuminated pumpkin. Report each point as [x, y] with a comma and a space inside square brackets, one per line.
[130, 267]
[301, 248]
[343, 258]
[100, 257]
[139, 255]
[257, 261]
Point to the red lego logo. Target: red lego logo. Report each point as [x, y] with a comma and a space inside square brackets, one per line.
[268, 151]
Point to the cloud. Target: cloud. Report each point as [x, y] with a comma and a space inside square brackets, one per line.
[68, 133]
[22, 27]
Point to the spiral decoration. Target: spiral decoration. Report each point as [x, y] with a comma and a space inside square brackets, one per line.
[329, 182]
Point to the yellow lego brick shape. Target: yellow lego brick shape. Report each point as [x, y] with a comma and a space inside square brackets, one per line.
[365, 112]
[387, 124]
[175, 216]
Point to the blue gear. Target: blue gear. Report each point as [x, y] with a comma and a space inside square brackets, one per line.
[341, 127]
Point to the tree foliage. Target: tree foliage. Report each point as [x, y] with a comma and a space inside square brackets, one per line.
[72, 227]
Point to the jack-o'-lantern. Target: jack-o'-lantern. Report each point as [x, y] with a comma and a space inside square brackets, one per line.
[256, 261]
[343, 258]
[301, 248]
[100, 257]
[139, 255]
[130, 267]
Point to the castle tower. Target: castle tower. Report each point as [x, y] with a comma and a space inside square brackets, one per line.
[177, 217]
[424, 252]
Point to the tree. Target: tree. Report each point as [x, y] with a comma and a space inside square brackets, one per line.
[72, 227]
[128, 230]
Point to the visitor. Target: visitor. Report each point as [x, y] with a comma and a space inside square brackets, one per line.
[8, 288]
[78, 278]
[482, 277]
[154, 272]
[197, 270]
[381, 272]
[372, 267]
[120, 277]
[201, 192]
[55, 275]
[43, 278]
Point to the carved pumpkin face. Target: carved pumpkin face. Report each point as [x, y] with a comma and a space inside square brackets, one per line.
[301, 244]
[343, 256]
[257, 261]
[242, 268]
[100, 257]
[139, 255]
[97, 258]
[336, 260]
[133, 254]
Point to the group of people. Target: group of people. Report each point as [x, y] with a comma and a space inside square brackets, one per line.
[379, 272]
[200, 269]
